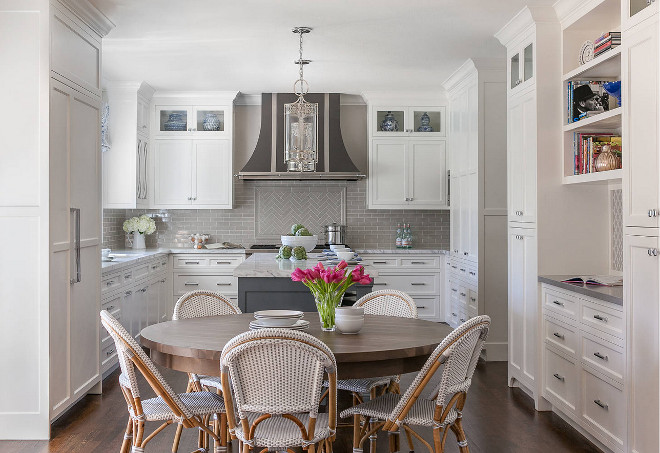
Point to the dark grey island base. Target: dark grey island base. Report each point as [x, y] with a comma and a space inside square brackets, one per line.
[270, 293]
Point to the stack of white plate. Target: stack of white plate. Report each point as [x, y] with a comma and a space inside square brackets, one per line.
[279, 319]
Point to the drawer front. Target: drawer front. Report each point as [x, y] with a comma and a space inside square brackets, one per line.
[112, 303]
[190, 262]
[225, 261]
[604, 319]
[110, 283]
[603, 407]
[472, 275]
[154, 267]
[411, 284]
[427, 307]
[104, 336]
[108, 356]
[427, 262]
[380, 262]
[606, 358]
[561, 335]
[560, 381]
[473, 302]
[163, 262]
[560, 303]
[463, 295]
[191, 282]
[141, 271]
[127, 276]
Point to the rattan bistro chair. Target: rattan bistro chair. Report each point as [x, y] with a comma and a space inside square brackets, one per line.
[188, 410]
[199, 304]
[459, 353]
[276, 376]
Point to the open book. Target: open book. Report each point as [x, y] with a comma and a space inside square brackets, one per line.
[601, 280]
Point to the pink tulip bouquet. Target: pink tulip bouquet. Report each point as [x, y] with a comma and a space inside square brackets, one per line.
[328, 286]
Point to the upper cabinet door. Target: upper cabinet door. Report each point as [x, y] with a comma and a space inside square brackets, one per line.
[455, 215]
[212, 182]
[427, 121]
[635, 11]
[387, 174]
[173, 120]
[427, 174]
[521, 158]
[142, 117]
[210, 121]
[389, 121]
[522, 66]
[173, 173]
[641, 201]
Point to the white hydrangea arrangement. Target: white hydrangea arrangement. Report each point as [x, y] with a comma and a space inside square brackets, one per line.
[143, 225]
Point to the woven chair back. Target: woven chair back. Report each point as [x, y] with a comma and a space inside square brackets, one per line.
[130, 356]
[459, 352]
[198, 304]
[388, 302]
[277, 371]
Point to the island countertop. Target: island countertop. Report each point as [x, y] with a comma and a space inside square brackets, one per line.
[613, 294]
[265, 265]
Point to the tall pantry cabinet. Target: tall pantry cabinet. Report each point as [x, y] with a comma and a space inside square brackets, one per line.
[476, 267]
[641, 210]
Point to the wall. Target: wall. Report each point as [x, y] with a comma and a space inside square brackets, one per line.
[265, 209]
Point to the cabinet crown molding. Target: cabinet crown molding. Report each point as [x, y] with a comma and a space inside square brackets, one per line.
[199, 96]
[406, 98]
[89, 14]
[521, 22]
[569, 11]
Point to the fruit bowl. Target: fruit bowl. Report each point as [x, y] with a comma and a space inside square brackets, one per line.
[309, 242]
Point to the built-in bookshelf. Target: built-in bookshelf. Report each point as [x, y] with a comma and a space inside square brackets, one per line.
[595, 21]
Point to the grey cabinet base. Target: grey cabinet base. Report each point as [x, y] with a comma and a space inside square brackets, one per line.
[270, 293]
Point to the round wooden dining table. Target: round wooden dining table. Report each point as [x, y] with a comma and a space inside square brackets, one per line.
[385, 345]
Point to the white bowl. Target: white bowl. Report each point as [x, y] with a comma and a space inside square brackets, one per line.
[349, 311]
[278, 318]
[346, 256]
[334, 247]
[309, 242]
[349, 324]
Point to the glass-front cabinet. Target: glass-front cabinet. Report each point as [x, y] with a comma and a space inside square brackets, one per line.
[408, 121]
[636, 11]
[521, 66]
[191, 120]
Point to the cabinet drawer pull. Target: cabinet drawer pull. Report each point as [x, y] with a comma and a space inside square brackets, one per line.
[127, 276]
[192, 262]
[163, 280]
[454, 289]
[191, 284]
[463, 294]
[419, 307]
[473, 273]
[128, 293]
[556, 302]
[144, 290]
[110, 352]
[462, 320]
[601, 356]
[380, 262]
[110, 308]
[462, 270]
[558, 335]
[454, 267]
[601, 404]
[454, 314]
[380, 284]
[223, 262]
[600, 318]
[473, 299]
[417, 284]
[561, 378]
[111, 282]
[418, 262]
[155, 266]
[223, 284]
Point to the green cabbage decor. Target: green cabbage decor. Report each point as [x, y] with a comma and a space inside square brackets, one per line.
[299, 253]
[284, 253]
[295, 228]
[303, 232]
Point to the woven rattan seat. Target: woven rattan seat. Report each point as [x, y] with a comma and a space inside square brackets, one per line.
[458, 355]
[199, 403]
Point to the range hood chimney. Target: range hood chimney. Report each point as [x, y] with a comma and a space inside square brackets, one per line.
[267, 160]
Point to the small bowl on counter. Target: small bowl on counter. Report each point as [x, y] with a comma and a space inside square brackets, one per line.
[346, 256]
[349, 320]
[278, 318]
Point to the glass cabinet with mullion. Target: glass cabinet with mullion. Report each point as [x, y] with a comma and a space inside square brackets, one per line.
[521, 66]
[201, 120]
[408, 121]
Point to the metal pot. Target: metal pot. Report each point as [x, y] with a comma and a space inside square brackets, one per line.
[335, 234]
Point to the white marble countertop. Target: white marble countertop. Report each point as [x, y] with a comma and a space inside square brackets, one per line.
[401, 251]
[265, 265]
[129, 257]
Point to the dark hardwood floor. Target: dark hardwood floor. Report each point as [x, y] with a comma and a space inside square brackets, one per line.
[496, 419]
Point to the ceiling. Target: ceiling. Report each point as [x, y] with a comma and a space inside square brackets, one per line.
[248, 46]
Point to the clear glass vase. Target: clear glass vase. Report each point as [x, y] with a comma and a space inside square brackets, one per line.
[326, 304]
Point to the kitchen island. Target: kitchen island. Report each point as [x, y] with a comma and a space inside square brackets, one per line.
[265, 283]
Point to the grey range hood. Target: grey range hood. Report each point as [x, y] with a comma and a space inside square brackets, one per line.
[267, 160]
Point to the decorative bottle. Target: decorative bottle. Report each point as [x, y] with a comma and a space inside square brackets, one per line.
[398, 236]
[410, 237]
[405, 242]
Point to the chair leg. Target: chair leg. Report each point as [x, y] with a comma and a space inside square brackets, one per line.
[138, 432]
[457, 428]
[373, 437]
[177, 438]
[393, 441]
[128, 437]
[411, 446]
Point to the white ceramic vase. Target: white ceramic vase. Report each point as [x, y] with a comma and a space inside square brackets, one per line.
[138, 241]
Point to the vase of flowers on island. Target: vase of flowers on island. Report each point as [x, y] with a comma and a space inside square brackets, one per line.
[139, 226]
[328, 286]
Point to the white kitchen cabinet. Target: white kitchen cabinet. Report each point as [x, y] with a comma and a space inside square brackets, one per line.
[641, 164]
[521, 66]
[523, 307]
[641, 294]
[409, 121]
[408, 174]
[210, 272]
[634, 12]
[193, 173]
[200, 121]
[125, 164]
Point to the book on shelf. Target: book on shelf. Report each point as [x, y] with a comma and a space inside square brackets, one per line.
[587, 147]
[598, 280]
[586, 98]
[613, 35]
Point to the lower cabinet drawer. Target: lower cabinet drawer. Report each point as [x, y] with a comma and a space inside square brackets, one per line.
[108, 356]
[225, 261]
[110, 282]
[411, 284]
[560, 385]
[473, 302]
[141, 271]
[603, 318]
[605, 358]
[561, 335]
[427, 307]
[191, 282]
[112, 303]
[564, 304]
[420, 262]
[380, 262]
[603, 408]
[190, 261]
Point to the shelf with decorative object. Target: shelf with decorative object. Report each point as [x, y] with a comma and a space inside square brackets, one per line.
[603, 121]
[605, 66]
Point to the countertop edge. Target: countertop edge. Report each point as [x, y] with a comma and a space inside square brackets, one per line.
[585, 290]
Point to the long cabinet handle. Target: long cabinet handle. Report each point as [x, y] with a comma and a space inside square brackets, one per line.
[223, 284]
[192, 262]
[558, 335]
[380, 284]
[600, 318]
[417, 284]
[601, 356]
[418, 262]
[223, 262]
[191, 284]
[380, 262]
[561, 378]
[601, 404]
[419, 307]
[556, 302]
[75, 212]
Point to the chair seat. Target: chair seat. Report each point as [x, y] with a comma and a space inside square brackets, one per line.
[210, 381]
[199, 403]
[361, 385]
[278, 432]
[420, 414]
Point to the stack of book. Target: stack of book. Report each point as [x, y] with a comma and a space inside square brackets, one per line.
[587, 147]
[606, 42]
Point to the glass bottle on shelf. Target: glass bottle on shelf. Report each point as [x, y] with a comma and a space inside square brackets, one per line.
[398, 236]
